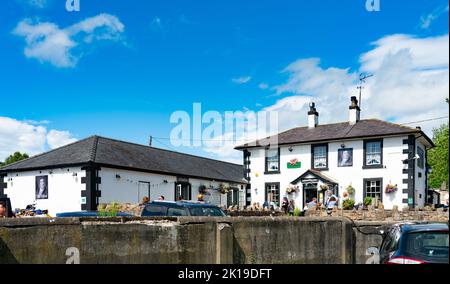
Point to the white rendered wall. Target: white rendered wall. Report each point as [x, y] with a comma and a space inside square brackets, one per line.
[391, 173]
[64, 190]
[125, 188]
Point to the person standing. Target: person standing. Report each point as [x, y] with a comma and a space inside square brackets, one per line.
[291, 207]
[285, 205]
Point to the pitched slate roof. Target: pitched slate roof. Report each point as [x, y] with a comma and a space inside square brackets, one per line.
[338, 131]
[119, 154]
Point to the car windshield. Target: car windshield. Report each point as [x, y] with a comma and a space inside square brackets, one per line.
[206, 211]
[427, 245]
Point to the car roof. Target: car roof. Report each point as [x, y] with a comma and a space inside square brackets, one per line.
[423, 227]
[182, 204]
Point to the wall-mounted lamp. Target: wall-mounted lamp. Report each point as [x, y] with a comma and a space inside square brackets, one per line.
[74, 174]
[342, 146]
[50, 172]
[165, 181]
[117, 176]
[290, 149]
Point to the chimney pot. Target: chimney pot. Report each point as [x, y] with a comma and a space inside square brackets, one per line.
[355, 111]
[313, 116]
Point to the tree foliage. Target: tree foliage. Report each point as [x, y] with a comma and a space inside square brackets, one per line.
[17, 156]
[438, 157]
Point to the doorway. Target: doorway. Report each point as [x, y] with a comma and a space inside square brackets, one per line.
[182, 191]
[309, 192]
[143, 190]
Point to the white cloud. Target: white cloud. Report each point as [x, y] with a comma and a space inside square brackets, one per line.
[263, 86]
[427, 20]
[56, 139]
[46, 42]
[25, 137]
[410, 84]
[241, 80]
[35, 3]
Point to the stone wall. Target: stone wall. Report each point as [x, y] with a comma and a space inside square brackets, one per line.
[189, 240]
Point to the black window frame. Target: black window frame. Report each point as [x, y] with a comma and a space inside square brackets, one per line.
[183, 183]
[380, 179]
[266, 170]
[313, 146]
[365, 166]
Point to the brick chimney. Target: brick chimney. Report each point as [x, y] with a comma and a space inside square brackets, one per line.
[313, 116]
[354, 114]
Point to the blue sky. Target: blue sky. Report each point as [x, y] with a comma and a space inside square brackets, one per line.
[152, 58]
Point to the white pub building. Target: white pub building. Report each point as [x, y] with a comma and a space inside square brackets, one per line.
[367, 158]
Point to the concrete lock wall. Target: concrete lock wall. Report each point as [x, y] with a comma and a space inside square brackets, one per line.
[184, 240]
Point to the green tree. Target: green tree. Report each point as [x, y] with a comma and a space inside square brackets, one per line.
[438, 157]
[17, 156]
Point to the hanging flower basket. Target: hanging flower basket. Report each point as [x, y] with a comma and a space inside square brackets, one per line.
[324, 187]
[224, 188]
[350, 190]
[202, 189]
[390, 188]
[292, 189]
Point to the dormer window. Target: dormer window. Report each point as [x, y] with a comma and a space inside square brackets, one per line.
[273, 161]
[320, 156]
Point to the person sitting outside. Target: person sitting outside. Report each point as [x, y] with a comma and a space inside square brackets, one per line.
[312, 204]
[145, 200]
[3, 210]
[285, 205]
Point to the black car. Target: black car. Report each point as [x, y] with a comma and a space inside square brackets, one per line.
[181, 208]
[415, 243]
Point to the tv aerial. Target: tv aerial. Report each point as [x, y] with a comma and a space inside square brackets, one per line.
[362, 80]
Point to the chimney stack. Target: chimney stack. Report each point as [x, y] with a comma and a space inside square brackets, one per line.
[313, 116]
[355, 111]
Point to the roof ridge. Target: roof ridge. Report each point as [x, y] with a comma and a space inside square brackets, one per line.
[93, 155]
[171, 151]
[47, 152]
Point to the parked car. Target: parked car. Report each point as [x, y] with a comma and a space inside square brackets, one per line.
[415, 243]
[181, 208]
[88, 214]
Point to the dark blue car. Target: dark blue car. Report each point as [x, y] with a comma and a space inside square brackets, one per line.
[415, 243]
[181, 208]
[88, 214]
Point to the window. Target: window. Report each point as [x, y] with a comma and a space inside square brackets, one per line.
[182, 191]
[154, 210]
[273, 161]
[373, 188]
[320, 157]
[176, 212]
[273, 193]
[373, 154]
[420, 161]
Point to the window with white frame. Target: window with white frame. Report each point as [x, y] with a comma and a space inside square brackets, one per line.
[320, 156]
[373, 153]
[273, 160]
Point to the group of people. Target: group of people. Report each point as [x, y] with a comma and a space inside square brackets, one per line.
[330, 201]
[146, 199]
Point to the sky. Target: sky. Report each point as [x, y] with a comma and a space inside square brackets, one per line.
[120, 69]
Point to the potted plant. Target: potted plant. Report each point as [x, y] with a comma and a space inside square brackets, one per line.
[390, 188]
[348, 204]
[367, 201]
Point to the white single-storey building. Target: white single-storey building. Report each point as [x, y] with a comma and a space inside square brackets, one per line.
[98, 170]
[367, 158]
